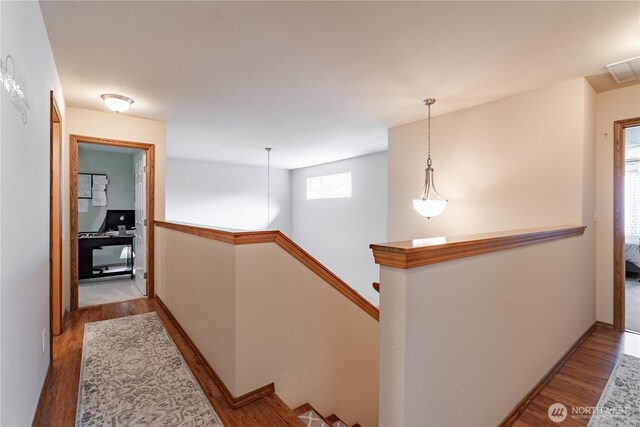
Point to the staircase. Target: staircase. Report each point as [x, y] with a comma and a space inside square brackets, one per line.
[264, 266]
[312, 418]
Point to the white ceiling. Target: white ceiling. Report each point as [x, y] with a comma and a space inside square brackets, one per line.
[321, 81]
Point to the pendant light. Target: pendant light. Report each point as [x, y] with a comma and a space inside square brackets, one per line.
[268, 149]
[430, 203]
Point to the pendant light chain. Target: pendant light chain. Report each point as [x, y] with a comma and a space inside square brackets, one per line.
[429, 136]
[429, 102]
[268, 186]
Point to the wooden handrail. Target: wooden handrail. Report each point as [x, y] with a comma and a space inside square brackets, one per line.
[419, 252]
[279, 238]
[376, 286]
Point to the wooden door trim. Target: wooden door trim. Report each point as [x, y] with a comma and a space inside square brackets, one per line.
[618, 220]
[74, 140]
[55, 239]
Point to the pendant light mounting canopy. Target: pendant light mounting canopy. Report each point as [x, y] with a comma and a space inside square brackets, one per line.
[430, 203]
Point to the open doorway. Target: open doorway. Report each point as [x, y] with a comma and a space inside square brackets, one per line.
[632, 228]
[55, 219]
[627, 225]
[111, 203]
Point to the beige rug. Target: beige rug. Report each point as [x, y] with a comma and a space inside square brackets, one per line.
[619, 404]
[132, 374]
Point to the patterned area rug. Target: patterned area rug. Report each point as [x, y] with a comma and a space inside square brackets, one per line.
[132, 374]
[619, 404]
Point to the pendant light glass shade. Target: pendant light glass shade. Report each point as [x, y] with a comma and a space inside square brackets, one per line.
[428, 206]
[430, 203]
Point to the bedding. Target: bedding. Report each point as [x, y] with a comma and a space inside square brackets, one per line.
[632, 250]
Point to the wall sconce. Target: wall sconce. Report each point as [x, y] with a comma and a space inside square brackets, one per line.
[11, 85]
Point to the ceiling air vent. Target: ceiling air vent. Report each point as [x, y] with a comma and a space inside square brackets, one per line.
[625, 71]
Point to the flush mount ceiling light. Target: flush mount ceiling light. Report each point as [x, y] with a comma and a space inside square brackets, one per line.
[117, 103]
[430, 203]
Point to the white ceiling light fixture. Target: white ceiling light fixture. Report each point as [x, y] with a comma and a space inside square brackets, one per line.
[117, 103]
[430, 203]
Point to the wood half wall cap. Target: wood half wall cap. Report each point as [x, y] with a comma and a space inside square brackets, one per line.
[418, 252]
[279, 238]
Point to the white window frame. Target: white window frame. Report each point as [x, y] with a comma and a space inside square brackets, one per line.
[328, 186]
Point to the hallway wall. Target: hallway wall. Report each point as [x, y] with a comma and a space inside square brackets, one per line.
[24, 213]
[611, 106]
[260, 316]
[520, 162]
[112, 126]
[514, 163]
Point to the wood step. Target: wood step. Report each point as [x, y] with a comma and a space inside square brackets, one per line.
[310, 417]
[335, 421]
[289, 417]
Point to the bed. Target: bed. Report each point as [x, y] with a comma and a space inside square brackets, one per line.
[632, 254]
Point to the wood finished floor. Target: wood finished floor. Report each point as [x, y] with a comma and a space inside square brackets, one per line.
[582, 379]
[60, 397]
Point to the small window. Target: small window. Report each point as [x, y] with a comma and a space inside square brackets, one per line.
[329, 186]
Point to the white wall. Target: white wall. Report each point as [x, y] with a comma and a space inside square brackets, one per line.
[111, 126]
[338, 232]
[513, 163]
[335, 231]
[462, 342]
[226, 195]
[520, 162]
[259, 316]
[24, 213]
[195, 278]
[297, 331]
[611, 106]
